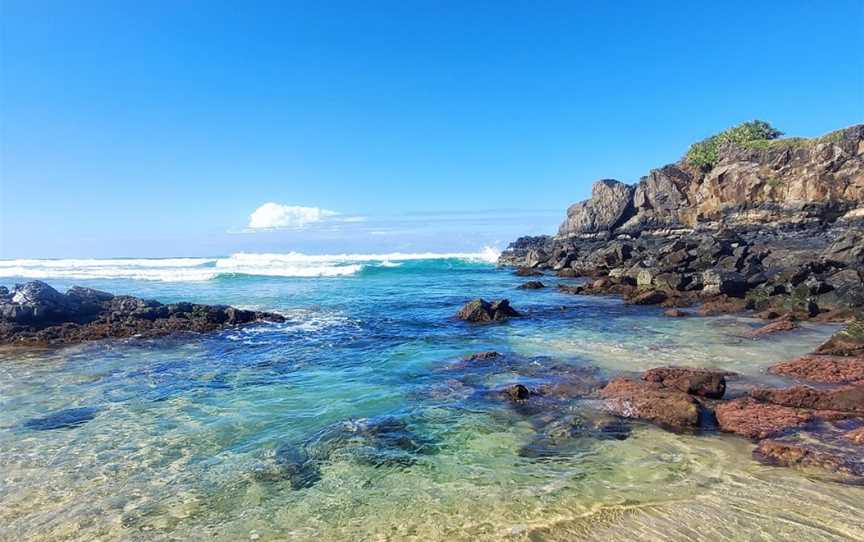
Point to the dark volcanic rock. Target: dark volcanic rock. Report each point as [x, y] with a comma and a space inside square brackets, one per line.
[703, 382]
[517, 392]
[480, 310]
[37, 314]
[527, 272]
[823, 369]
[482, 356]
[668, 408]
[532, 285]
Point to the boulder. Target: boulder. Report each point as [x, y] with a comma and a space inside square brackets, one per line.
[702, 382]
[674, 313]
[722, 305]
[822, 369]
[480, 310]
[729, 283]
[611, 204]
[35, 303]
[527, 272]
[669, 408]
[517, 393]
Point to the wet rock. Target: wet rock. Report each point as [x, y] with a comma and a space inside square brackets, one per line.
[756, 420]
[822, 369]
[567, 273]
[651, 297]
[62, 419]
[668, 408]
[848, 342]
[532, 285]
[774, 452]
[674, 313]
[480, 310]
[845, 399]
[527, 272]
[569, 289]
[702, 382]
[570, 434]
[482, 356]
[517, 393]
[783, 324]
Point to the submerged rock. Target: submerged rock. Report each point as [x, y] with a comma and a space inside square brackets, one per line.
[62, 419]
[783, 324]
[482, 356]
[480, 310]
[37, 314]
[293, 464]
[788, 454]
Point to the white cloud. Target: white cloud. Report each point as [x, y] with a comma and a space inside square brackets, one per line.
[270, 216]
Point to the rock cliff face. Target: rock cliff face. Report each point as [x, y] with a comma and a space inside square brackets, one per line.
[779, 223]
[779, 182]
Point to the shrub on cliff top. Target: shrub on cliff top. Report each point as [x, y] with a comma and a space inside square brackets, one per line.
[704, 153]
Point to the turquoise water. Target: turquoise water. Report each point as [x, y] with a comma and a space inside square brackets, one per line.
[193, 438]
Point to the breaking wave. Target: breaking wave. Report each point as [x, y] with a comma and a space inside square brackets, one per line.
[291, 264]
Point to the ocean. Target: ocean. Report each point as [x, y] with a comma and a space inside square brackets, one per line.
[197, 437]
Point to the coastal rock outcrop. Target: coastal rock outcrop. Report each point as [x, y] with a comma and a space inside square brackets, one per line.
[35, 314]
[651, 401]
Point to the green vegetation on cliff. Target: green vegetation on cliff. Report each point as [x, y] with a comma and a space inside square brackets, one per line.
[755, 134]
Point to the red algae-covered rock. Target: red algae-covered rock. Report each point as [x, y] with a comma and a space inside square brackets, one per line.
[703, 382]
[722, 305]
[845, 399]
[753, 419]
[783, 324]
[650, 297]
[822, 369]
[668, 408]
[789, 454]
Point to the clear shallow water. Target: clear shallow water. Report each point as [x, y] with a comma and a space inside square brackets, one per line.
[186, 436]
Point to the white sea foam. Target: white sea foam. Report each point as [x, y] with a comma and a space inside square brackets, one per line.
[291, 264]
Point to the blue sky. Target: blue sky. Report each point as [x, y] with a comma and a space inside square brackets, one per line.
[157, 128]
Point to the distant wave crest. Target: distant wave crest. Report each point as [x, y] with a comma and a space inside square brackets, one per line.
[291, 264]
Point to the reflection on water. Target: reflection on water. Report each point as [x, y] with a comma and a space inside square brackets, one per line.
[355, 421]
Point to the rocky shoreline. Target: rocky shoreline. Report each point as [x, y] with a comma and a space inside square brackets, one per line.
[35, 314]
[774, 228]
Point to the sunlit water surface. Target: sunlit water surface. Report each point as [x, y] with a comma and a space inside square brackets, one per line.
[183, 427]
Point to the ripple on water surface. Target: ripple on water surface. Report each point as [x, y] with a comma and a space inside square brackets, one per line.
[208, 438]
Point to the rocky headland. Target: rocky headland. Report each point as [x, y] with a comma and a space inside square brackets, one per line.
[744, 222]
[754, 222]
[35, 314]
